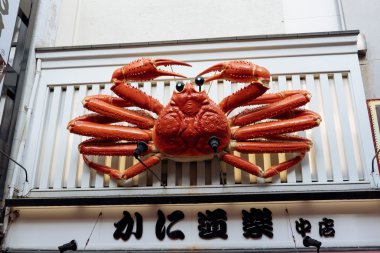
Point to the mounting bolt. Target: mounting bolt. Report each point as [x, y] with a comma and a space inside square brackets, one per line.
[214, 143]
[141, 148]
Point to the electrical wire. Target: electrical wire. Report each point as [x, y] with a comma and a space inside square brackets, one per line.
[151, 171]
[373, 168]
[10, 158]
[373, 161]
[96, 222]
[291, 229]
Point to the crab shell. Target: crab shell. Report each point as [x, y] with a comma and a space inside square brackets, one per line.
[183, 128]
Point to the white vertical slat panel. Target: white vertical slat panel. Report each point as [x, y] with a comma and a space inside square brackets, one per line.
[74, 139]
[48, 145]
[289, 174]
[105, 180]
[36, 134]
[135, 179]
[229, 170]
[215, 164]
[252, 159]
[153, 90]
[61, 124]
[171, 173]
[185, 174]
[216, 171]
[171, 177]
[201, 173]
[42, 147]
[85, 178]
[347, 140]
[354, 126]
[237, 172]
[234, 87]
[158, 94]
[303, 173]
[318, 152]
[343, 171]
[63, 147]
[102, 180]
[143, 177]
[230, 175]
[95, 90]
[281, 86]
[310, 156]
[259, 158]
[245, 176]
[331, 132]
[273, 158]
[222, 165]
[267, 164]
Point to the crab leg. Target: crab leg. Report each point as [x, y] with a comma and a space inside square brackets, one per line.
[276, 169]
[104, 108]
[140, 70]
[136, 97]
[271, 110]
[127, 173]
[275, 97]
[256, 170]
[282, 144]
[305, 120]
[270, 147]
[145, 69]
[240, 71]
[242, 164]
[95, 118]
[109, 131]
[110, 148]
[112, 100]
[241, 97]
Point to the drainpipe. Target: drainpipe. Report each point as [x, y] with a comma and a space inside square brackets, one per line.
[24, 128]
[341, 15]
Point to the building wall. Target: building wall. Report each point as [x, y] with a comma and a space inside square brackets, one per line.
[364, 16]
[95, 22]
[88, 22]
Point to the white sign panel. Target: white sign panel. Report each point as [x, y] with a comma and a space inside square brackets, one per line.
[8, 15]
[201, 226]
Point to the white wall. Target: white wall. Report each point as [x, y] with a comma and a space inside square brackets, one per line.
[118, 21]
[304, 16]
[89, 22]
[364, 16]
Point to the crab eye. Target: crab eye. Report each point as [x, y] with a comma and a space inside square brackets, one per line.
[179, 86]
[199, 80]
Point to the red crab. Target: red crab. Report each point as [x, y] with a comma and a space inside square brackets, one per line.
[192, 127]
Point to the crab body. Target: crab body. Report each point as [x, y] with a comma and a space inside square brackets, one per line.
[192, 127]
[185, 125]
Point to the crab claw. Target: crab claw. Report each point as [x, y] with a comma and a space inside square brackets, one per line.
[145, 69]
[238, 71]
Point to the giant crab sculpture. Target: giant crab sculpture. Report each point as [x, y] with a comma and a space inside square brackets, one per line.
[192, 127]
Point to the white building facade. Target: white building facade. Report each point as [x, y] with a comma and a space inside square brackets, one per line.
[332, 196]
